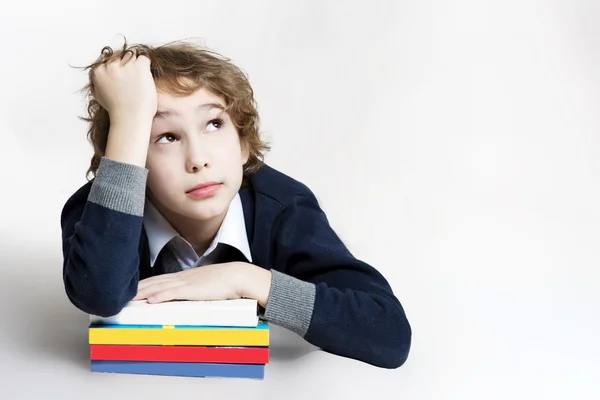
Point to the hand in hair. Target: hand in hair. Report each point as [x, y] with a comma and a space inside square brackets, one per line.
[124, 86]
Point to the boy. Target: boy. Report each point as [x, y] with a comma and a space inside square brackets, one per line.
[182, 207]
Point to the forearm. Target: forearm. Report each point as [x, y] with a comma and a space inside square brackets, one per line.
[370, 327]
[322, 292]
[128, 139]
[101, 240]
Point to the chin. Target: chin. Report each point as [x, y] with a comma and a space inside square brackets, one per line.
[205, 211]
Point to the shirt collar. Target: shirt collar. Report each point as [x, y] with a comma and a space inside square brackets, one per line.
[232, 230]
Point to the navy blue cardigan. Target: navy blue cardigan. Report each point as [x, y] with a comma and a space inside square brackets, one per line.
[319, 289]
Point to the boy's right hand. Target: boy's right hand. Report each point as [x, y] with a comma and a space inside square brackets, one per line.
[125, 88]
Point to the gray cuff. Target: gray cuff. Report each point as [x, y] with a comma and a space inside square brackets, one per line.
[120, 187]
[290, 303]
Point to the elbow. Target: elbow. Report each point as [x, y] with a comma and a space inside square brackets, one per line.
[96, 303]
[107, 308]
[397, 355]
[394, 353]
[394, 338]
[97, 294]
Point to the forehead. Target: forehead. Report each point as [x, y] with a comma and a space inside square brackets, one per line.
[170, 104]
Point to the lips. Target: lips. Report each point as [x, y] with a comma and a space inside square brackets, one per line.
[203, 186]
[204, 190]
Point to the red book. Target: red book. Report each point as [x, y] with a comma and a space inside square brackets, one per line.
[199, 354]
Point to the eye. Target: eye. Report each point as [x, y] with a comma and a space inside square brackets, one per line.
[216, 123]
[166, 138]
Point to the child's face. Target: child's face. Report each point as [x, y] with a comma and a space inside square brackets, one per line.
[193, 142]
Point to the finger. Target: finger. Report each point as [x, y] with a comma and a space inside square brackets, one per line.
[97, 71]
[144, 60]
[114, 60]
[155, 279]
[153, 289]
[158, 287]
[126, 56]
[174, 293]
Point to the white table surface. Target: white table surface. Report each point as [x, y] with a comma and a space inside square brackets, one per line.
[45, 355]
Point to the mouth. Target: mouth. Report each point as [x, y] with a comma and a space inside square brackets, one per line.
[203, 186]
[204, 190]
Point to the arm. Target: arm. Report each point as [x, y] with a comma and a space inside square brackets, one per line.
[100, 239]
[101, 230]
[326, 295]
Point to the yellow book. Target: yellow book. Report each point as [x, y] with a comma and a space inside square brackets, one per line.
[179, 335]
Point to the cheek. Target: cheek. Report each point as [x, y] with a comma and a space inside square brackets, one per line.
[160, 179]
[158, 164]
[154, 183]
[231, 159]
[232, 151]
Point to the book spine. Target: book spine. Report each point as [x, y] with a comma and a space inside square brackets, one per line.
[235, 355]
[180, 336]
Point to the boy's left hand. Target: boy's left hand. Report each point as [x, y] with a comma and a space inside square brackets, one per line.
[210, 282]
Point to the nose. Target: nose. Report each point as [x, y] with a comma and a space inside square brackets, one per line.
[196, 157]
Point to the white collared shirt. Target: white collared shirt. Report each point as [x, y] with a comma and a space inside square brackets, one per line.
[161, 233]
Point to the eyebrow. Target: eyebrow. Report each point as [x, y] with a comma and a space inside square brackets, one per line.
[170, 113]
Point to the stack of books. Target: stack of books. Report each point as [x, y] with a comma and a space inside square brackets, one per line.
[220, 339]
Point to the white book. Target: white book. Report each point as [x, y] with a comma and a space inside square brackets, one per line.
[238, 312]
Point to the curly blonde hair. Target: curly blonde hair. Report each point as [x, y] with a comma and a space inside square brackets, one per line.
[182, 68]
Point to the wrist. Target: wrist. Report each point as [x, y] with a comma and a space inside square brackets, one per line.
[254, 283]
[128, 140]
[129, 118]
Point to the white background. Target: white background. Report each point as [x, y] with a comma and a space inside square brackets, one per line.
[453, 144]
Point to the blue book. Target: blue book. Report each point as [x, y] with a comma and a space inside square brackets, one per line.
[207, 370]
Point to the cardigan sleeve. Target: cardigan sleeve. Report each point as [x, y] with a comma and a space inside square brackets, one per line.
[101, 231]
[322, 292]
